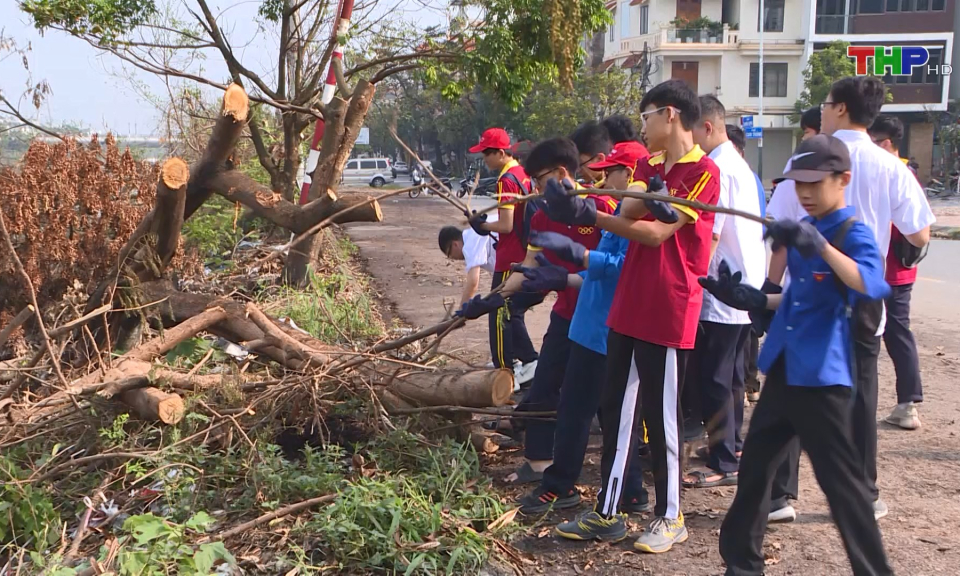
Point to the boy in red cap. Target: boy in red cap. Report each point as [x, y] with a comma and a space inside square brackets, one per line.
[552, 159]
[587, 360]
[509, 340]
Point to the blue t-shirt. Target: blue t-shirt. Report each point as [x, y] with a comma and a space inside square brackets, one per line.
[811, 329]
[588, 327]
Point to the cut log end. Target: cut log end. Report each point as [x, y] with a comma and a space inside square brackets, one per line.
[175, 173]
[378, 213]
[153, 404]
[236, 103]
[502, 388]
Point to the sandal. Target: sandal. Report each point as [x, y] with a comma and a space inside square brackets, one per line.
[700, 479]
[527, 475]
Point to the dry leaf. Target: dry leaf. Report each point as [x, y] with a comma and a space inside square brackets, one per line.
[503, 520]
[544, 532]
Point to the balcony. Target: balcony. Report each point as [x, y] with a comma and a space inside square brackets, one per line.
[680, 39]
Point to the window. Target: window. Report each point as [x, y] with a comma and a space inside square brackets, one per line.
[870, 7]
[613, 28]
[926, 74]
[368, 164]
[774, 80]
[645, 19]
[624, 20]
[914, 5]
[772, 17]
[382, 164]
[937, 4]
[352, 165]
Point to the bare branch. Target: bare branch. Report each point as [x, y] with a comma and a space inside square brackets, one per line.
[15, 112]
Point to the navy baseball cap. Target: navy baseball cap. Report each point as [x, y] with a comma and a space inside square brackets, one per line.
[816, 158]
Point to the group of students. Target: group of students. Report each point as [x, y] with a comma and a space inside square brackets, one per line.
[660, 307]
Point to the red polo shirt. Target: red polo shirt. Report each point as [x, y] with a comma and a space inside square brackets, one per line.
[658, 298]
[510, 248]
[897, 274]
[589, 236]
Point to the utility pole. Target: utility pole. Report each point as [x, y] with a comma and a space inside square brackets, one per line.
[760, 93]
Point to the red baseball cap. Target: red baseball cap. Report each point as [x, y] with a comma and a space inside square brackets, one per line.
[623, 154]
[492, 138]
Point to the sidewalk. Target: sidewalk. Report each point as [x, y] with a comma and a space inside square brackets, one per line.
[948, 219]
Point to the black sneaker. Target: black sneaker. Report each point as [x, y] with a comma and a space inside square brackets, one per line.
[636, 505]
[541, 500]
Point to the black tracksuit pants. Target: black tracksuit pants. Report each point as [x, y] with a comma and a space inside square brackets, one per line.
[751, 350]
[654, 391]
[819, 418]
[583, 382]
[901, 345]
[544, 393]
[509, 339]
[719, 358]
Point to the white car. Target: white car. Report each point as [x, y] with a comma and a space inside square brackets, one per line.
[370, 171]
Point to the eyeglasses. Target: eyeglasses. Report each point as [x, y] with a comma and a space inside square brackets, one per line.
[589, 160]
[643, 115]
[825, 104]
[539, 177]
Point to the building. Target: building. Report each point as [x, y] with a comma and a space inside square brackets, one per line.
[714, 45]
[919, 97]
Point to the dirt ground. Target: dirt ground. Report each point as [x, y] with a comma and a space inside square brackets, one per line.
[919, 470]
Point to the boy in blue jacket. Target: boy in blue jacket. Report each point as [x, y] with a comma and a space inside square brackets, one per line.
[586, 366]
[834, 262]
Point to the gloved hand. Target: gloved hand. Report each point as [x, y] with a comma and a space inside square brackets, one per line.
[476, 220]
[802, 235]
[761, 319]
[727, 288]
[563, 247]
[662, 211]
[478, 306]
[566, 209]
[547, 277]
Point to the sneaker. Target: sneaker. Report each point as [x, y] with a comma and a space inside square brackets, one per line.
[637, 505]
[880, 509]
[753, 396]
[905, 416]
[523, 373]
[661, 535]
[783, 514]
[592, 526]
[542, 500]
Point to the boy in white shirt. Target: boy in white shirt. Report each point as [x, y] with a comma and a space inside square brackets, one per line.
[476, 251]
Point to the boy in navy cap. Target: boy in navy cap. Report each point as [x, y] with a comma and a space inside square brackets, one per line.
[834, 261]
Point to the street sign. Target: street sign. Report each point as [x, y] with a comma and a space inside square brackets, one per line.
[752, 132]
[746, 122]
[364, 136]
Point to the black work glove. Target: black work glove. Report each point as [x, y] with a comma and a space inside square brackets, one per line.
[727, 288]
[802, 235]
[908, 254]
[478, 306]
[761, 319]
[476, 222]
[568, 209]
[563, 247]
[546, 278]
[662, 211]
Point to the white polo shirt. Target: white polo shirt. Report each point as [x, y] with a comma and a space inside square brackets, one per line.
[741, 240]
[478, 250]
[882, 189]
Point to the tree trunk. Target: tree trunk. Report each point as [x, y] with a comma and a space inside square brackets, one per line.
[154, 405]
[474, 389]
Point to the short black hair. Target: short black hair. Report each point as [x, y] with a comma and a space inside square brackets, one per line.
[811, 119]
[620, 128]
[737, 136]
[889, 127]
[677, 94]
[506, 151]
[551, 154]
[592, 138]
[711, 107]
[448, 235]
[863, 96]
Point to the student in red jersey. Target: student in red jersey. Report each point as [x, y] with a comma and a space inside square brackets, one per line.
[654, 316]
[902, 259]
[593, 146]
[509, 340]
[551, 159]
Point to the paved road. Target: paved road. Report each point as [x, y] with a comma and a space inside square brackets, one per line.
[937, 291]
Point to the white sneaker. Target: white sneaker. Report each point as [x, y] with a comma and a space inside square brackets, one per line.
[523, 373]
[880, 509]
[905, 416]
[785, 514]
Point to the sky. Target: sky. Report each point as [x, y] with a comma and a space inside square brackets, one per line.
[93, 89]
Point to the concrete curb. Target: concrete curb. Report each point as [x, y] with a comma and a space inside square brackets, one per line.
[945, 232]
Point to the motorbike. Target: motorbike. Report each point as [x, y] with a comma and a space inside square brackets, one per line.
[421, 183]
[485, 186]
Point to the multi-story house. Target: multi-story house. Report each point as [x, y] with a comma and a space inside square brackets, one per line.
[928, 23]
[714, 45]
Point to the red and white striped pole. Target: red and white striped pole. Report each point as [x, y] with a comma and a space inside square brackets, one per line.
[329, 91]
